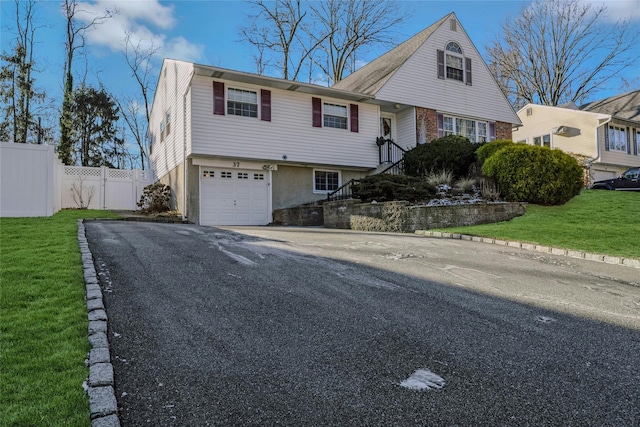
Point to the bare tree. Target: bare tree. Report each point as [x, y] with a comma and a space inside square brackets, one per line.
[327, 35]
[75, 40]
[138, 54]
[278, 28]
[560, 51]
[17, 85]
[352, 26]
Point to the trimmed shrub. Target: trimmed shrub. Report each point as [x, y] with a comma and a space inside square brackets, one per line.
[490, 148]
[450, 153]
[386, 188]
[155, 198]
[533, 174]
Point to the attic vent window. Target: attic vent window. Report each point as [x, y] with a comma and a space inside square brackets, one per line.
[452, 24]
[529, 111]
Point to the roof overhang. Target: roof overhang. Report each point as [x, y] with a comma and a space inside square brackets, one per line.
[275, 83]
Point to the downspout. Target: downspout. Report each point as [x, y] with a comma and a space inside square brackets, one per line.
[184, 156]
[184, 149]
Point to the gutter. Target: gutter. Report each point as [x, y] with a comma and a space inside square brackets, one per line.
[184, 149]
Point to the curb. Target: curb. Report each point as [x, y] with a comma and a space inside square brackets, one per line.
[103, 406]
[607, 259]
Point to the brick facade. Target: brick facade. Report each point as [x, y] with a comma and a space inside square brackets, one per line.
[503, 130]
[427, 126]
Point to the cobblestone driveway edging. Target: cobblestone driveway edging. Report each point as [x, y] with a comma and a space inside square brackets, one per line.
[628, 262]
[103, 406]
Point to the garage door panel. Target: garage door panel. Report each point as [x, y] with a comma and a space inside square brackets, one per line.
[233, 197]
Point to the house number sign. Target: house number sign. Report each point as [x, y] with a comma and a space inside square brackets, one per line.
[236, 164]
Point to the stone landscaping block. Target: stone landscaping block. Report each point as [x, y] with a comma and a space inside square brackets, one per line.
[477, 239]
[529, 246]
[97, 315]
[594, 257]
[420, 232]
[108, 421]
[100, 374]
[612, 259]
[544, 249]
[95, 304]
[99, 355]
[575, 254]
[514, 244]
[558, 251]
[102, 401]
[500, 242]
[93, 287]
[630, 262]
[436, 233]
[99, 340]
[97, 326]
[466, 237]
[456, 236]
[446, 235]
[94, 294]
[487, 240]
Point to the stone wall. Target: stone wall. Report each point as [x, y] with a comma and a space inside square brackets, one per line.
[401, 217]
[305, 216]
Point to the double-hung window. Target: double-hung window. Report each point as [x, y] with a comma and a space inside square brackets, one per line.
[454, 62]
[325, 181]
[617, 139]
[335, 116]
[242, 102]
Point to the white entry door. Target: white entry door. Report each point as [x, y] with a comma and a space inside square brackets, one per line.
[233, 196]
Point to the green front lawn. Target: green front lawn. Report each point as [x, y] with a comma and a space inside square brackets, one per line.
[597, 221]
[43, 321]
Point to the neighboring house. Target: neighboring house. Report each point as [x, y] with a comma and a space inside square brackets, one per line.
[235, 146]
[604, 134]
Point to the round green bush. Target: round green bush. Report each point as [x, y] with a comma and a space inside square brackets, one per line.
[533, 174]
[451, 153]
[387, 187]
[488, 149]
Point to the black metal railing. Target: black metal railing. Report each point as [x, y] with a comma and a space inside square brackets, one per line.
[343, 192]
[396, 168]
[389, 151]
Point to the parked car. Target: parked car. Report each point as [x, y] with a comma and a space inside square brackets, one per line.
[629, 181]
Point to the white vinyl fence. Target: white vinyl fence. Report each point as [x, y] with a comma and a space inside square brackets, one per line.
[33, 182]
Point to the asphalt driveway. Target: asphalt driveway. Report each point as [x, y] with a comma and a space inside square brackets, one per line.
[280, 326]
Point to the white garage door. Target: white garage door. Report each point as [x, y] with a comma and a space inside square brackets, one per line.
[233, 197]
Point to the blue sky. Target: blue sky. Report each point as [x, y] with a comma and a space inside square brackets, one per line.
[207, 32]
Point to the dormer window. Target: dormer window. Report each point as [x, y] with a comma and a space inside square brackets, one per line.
[454, 60]
[453, 65]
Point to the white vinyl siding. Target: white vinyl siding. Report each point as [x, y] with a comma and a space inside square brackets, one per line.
[290, 133]
[167, 108]
[406, 129]
[416, 82]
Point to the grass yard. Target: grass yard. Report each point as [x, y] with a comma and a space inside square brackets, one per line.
[43, 321]
[597, 221]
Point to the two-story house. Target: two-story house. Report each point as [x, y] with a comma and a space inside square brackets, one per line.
[235, 146]
[604, 134]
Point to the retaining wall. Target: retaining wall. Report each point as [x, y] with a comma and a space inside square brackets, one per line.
[401, 217]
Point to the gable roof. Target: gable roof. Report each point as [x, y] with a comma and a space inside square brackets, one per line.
[625, 106]
[373, 76]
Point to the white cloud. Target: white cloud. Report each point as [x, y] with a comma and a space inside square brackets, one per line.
[146, 21]
[618, 10]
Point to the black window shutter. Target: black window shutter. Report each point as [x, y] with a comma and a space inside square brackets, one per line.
[265, 105]
[218, 98]
[353, 115]
[628, 141]
[467, 71]
[440, 64]
[316, 105]
[440, 119]
[606, 137]
[635, 142]
[492, 131]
